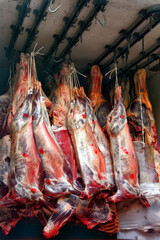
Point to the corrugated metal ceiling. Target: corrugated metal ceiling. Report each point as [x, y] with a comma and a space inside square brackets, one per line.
[119, 13]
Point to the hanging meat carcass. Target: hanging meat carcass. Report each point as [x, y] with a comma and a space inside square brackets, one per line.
[125, 93]
[95, 168]
[126, 166]
[25, 174]
[90, 212]
[99, 104]
[20, 84]
[149, 159]
[62, 96]
[141, 110]
[93, 212]
[143, 128]
[65, 209]
[4, 105]
[10, 216]
[58, 177]
[5, 154]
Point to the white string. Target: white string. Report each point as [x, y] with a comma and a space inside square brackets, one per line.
[81, 74]
[33, 54]
[116, 73]
[110, 72]
[143, 140]
[29, 72]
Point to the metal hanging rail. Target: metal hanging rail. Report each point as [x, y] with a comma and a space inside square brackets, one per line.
[23, 11]
[136, 38]
[135, 63]
[144, 14]
[99, 5]
[32, 32]
[141, 57]
[154, 57]
[69, 22]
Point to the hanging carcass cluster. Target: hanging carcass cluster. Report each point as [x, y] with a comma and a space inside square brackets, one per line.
[144, 136]
[56, 161]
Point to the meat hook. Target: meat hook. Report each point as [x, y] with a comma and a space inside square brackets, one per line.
[104, 18]
[50, 7]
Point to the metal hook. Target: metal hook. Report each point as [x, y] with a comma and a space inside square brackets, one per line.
[104, 18]
[57, 60]
[51, 4]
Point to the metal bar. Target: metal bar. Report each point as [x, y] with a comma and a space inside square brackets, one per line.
[121, 72]
[17, 29]
[144, 15]
[133, 42]
[69, 22]
[153, 59]
[39, 16]
[98, 6]
[145, 55]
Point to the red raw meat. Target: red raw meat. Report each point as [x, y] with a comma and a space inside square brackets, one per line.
[93, 212]
[25, 175]
[90, 212]
[90, 159]
[10, 216]
[4, 104]
[20, 85]
[65, 210]
[99, 104]
[61, 97]
[5, 152]
[126, 166]
[57, 171]
[102, 143]
[134, 114]
[63, 138]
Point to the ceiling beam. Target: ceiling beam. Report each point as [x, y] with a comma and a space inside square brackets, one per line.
[136, 38]
[69, 22]
[99, 5]
[133, 66]
[23, 11]
[33, 31]
[144, 14]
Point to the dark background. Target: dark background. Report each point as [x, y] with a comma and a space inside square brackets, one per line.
[31, 229]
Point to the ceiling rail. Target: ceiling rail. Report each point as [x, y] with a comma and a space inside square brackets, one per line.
[133, 66]
[144, 14]
[69, 22]
[33, 31]
[136, 38]
[141, 57]
[23, 11]
[99, 5]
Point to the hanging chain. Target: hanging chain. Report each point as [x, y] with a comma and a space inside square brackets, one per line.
[115, 55]
[150, 23]
[128, 42]
[127, 53]
[141, 109]
[142, 44]
[148, 62]
[122, 57]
